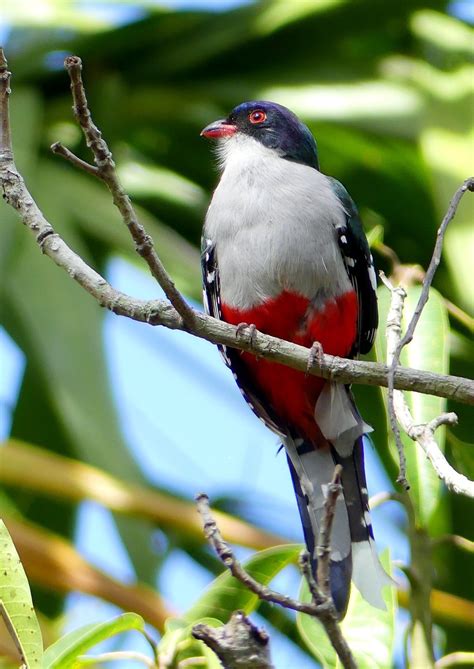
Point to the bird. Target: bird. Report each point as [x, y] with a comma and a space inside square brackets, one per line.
[284, 252]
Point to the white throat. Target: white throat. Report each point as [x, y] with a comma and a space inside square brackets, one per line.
[273, 222]
[239, 151]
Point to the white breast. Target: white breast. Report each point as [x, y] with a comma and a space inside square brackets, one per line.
[273, 222]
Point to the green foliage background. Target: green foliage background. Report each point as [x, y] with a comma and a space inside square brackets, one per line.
[386, 87]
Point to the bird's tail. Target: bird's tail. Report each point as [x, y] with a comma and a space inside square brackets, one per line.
[353, 552]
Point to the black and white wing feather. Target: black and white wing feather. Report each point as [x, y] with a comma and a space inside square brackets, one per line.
[231, 356]
[360, 268]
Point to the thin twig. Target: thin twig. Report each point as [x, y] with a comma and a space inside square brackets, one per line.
[393, 335]
[160, 312]
[59, 150]
[400, 413]
[107, 172]
[324, 612]
[304, 563]
[6, 152]
[423, 299]
[226, 556]
[323, 550]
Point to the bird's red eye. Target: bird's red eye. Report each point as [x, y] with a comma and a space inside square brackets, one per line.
[257, 116]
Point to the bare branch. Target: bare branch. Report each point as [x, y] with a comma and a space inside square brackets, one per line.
[106, 171]
[400, 413]
[304, 563]
[59, 150]
[323, 609]
[423, 299]
[226, 556]
[393, 335]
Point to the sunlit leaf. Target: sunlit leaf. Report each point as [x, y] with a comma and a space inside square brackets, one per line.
[178, 645]
[16, 606]
[64, 652]
[446, 32]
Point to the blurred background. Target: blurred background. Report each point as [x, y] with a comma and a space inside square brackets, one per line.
[387, 89]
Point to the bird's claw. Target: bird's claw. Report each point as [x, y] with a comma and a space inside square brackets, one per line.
[252, 330]
[315, 356]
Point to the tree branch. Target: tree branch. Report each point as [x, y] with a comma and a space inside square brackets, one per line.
[106, 171]
[239, 644]
[400, 413]
[321, 608]
[423, 299]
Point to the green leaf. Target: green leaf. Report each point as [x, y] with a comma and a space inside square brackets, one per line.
[463, 454]
[371, 650]
[64, 652]
[178, 644]
[16, 606]
[226, 594]
[429, 350]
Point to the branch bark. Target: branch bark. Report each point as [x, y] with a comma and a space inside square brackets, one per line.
[239, 644]
[105, 170]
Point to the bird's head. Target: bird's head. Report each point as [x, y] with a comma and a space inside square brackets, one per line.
[271, 124]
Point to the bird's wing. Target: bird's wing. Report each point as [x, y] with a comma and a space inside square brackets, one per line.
[360, 268]
[231, 356]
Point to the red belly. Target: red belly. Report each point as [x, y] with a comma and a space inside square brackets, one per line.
[289, 316]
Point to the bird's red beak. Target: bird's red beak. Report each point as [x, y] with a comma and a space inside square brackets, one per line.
[219, 129]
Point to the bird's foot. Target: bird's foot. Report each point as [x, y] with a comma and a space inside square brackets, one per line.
[315, 356]
[252, 332]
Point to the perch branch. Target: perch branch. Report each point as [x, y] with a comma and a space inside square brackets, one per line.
[322, 608]
[408, 336]
[161, 312]
[423, 434]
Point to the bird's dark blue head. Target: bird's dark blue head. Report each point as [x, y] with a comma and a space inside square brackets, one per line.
[275, 126]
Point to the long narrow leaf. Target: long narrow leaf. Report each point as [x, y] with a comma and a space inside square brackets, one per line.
[64, 652]
[16, 606]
